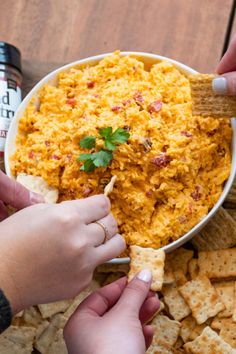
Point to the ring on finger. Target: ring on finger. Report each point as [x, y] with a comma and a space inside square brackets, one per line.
[105, 229]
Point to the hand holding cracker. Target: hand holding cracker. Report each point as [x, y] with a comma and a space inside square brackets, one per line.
[120, 312]
[226, 84]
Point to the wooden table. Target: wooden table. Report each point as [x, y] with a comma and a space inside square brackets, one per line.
[52, 32]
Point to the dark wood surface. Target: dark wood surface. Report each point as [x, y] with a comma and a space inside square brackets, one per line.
[59, 31]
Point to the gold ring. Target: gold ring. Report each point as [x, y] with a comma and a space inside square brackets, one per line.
[105, 229]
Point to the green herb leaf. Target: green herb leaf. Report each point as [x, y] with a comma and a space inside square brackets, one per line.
[102, 158]
[83, 157]
[105, 132]
[120, 136]
[88, 166]
[109, 145]
[88, 142]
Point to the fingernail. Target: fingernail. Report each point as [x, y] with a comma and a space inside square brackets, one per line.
[145, 275]
[36, 198]
[219, 85]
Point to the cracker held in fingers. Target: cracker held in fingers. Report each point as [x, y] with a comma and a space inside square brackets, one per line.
[205, 102]
[109, 187]
[148, 258]
[38, 185]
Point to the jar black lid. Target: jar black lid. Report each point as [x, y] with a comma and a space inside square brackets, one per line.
[10, 55]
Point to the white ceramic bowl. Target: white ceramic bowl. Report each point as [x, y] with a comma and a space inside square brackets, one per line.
[149, 60]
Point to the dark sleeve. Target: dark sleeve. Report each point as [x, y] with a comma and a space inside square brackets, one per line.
[5, 312]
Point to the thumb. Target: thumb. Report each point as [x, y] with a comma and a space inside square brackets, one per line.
[135, 292]
[225, 84]
[13, 193]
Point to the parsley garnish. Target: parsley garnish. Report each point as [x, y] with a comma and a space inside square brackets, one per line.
[104, 156]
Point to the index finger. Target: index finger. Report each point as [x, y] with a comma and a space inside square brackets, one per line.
[92, 208]
[103, 299]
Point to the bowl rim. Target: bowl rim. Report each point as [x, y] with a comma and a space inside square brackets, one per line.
[93, 60]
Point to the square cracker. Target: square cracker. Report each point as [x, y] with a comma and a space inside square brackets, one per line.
[228, 334]
[219, 233]
[179, 259]
[225, 290]
[177, 306]
[208, 343]
[187, 325]
[217, 323]
[148, 258]
[217, 264]
[202, 298]
[17, 340]
[166, 332]
[206, 102]
[48, 310]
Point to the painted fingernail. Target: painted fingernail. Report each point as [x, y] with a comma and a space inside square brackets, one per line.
[219, 85]
[145, 275]
[36, 198]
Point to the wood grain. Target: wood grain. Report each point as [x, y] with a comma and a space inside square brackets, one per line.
[191, 31]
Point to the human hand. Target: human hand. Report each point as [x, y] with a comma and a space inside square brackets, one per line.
[49, 251]
[113, 319]
[226, 84]
[14, 194]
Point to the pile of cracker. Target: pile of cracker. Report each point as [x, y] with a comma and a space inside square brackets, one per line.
[198, 313]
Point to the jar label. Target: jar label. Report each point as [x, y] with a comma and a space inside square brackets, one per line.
[10, 98]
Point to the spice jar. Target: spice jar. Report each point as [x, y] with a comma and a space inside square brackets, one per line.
[10, 89]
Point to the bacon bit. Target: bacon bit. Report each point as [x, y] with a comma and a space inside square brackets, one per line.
[127, 127]
[147, 143]
[196, 195]
[87, 191]
[164, 148]
[182, 219]
[31, 154]
[187, 134]
[161, 160]
[71, 101]
[155, 107]
[138, 97]
[149, 194]
[47, 143]
[126, 102]
[211, 133]
[90, 84]
[134, 68]
[96, 95]
[55, 157]
[116, 108]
